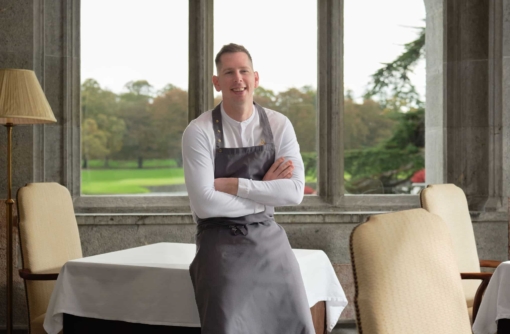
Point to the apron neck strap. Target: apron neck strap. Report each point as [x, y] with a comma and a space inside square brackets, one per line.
[267, 134]
[218, 127]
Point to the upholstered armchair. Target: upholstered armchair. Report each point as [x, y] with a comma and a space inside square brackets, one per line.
[406, 276]
[449, 202]
[49, 238]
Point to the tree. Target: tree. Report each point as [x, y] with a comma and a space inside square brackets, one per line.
[96, 101]
[410, 130]
[390, 163]
[139, 88]
[366, 124]
[265, 97]
[140, 139]
[93, 142]
[115, 129]
[102, 106]
[170, 117]
[391, 82]
[393, 161]
[299, 105]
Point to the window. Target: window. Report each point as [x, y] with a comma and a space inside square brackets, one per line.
[133, 96]
[331, 114]
[384, 121]
[286, 59]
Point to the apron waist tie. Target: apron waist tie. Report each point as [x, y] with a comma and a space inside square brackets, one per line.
[238, 229]
[235, 229]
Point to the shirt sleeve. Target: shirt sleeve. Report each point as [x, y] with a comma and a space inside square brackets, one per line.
[279, 192]
[198, 165]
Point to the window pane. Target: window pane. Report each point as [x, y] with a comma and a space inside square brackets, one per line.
[384, 123]
[284, 52]
[134, 100]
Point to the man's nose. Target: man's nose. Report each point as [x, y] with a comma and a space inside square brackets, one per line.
[238, 77]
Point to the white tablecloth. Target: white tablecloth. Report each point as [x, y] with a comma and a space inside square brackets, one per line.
[495, 302]
[151, 285]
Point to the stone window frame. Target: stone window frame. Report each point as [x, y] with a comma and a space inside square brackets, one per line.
[330, 195]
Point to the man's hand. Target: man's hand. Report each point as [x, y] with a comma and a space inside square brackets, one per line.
[279, 170]
[227, 185]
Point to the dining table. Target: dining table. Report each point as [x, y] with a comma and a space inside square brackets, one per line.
[494, 312]
[148, 289]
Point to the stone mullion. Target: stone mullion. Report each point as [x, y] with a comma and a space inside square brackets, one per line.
[71, 120]
[468, 118]
[495, 177]
[330, 101]
[201, 32]
[505, 97]
[38, 67]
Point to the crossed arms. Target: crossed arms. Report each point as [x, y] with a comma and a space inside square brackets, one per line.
[234, 197]
[280, 170]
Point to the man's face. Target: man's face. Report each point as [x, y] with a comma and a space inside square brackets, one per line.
[236, 79]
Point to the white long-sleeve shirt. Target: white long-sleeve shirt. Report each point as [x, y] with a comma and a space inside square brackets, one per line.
[198, 150]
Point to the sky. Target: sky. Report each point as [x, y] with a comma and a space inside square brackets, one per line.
[125, 40]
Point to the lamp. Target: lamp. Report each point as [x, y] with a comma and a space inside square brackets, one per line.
[22, 101]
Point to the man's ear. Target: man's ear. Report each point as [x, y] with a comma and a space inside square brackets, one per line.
[216, 83]
[256, 79]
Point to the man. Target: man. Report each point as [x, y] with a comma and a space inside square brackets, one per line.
[241, 160]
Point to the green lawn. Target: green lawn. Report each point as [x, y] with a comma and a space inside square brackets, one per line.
[127, 181]
[119, 164]
[310, 179]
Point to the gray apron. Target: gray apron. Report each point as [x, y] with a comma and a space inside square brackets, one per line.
[245, 276]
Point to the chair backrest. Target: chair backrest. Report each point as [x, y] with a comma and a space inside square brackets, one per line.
[449, 202]
[406, 276]
[48, 235]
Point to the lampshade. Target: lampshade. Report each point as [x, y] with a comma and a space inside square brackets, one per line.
[22, 100]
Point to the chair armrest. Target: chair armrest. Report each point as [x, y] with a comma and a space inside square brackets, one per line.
[480, 276]
[485, 277]
[26, 274]
[489, 263]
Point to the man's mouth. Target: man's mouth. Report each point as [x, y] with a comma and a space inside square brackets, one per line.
[239, 89]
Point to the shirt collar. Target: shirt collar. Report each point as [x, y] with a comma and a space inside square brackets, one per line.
[232, 121]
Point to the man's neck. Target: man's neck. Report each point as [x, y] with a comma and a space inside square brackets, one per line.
[239, 113]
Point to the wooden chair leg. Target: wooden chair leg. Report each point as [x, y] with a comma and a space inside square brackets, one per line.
[319, 317]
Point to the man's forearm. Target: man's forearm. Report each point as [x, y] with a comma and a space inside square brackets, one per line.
[275, 192]
[228, 185]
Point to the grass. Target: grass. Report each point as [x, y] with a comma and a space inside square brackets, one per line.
[128, 181]
[124, 177]
[310, 179]
[127, 164]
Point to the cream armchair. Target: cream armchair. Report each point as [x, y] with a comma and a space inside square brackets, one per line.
[406, 276]
[49, 238]
[449, 202]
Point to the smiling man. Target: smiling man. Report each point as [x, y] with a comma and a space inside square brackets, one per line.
[241, 160]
